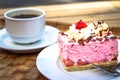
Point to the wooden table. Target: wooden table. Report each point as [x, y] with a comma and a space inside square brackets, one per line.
[22, 66]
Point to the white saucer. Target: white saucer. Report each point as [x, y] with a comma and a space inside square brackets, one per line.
[49, 37]
[49, 64]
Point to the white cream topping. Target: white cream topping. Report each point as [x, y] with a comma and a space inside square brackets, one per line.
[92, 28]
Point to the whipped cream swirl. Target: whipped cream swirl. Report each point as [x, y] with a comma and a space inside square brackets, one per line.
[96, 28]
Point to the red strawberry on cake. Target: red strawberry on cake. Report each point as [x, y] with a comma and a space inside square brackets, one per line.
[84, 44]
[80, 25]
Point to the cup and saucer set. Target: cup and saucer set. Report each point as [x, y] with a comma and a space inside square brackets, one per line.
[28, 33]
[49, 37]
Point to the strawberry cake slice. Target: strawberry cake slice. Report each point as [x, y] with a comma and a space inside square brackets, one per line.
[84, 44]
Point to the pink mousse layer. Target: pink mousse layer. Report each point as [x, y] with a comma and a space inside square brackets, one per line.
[89, 52]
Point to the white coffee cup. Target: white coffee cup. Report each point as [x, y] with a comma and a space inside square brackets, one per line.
[25, 30]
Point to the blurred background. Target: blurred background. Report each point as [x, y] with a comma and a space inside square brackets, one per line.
[24, 3]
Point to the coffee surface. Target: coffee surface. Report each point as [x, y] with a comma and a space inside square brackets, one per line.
[25, 16]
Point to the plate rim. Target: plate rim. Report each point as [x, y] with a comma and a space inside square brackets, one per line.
[3, 32]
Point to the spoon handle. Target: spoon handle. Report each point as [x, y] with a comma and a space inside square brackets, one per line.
[109, 69]
[117, 68]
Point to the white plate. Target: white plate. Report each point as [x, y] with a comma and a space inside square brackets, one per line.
[49, 37]
[50, 66]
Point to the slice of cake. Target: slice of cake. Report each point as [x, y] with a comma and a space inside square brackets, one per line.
[84, 44]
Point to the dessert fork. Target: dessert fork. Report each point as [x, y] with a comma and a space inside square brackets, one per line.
[114, 69]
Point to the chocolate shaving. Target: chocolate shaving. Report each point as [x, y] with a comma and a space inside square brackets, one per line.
[79, 32]
[72, 45]
[92, 34]
[113, 37]
[99, 22]
[93, 40]
[73, 39]
[81, 42]
[99, 39]
[108, 33]
[95, 26]
[89, 38]
[62, 33]
[106, 38]
[100, 32]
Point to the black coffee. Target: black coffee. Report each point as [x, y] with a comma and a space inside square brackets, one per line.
[25, 16]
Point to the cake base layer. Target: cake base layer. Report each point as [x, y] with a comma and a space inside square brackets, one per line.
[90, 66]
